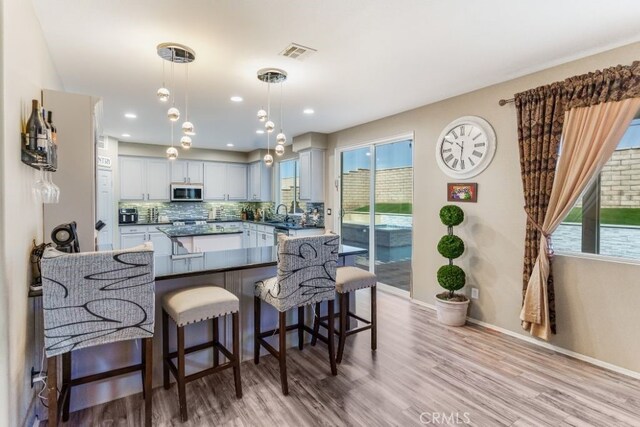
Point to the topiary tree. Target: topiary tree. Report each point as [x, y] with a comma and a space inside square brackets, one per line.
[451, 277]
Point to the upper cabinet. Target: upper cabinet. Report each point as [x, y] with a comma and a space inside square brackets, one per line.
[312, 175]
[188, 172]
[225, 181]
[144, 179]
[259, 177]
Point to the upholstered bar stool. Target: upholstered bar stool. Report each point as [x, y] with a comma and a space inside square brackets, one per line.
[306, 275]
[349, 279]
[193, 305]
[95, 298]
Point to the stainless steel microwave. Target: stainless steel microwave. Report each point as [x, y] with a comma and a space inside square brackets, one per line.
[186, 192]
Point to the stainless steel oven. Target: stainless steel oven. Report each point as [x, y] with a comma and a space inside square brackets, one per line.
[187, 192]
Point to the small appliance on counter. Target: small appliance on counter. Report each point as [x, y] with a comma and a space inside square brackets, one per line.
[65, 236]
[127, 216]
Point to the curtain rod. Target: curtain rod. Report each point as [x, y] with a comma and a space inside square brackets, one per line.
[504, 102]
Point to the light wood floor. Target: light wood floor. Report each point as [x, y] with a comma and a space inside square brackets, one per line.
[421, 367]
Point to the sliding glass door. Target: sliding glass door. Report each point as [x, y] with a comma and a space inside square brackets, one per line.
[376, 208]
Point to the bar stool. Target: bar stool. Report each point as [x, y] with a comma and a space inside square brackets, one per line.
[306, 275]
[193, 305]
[95, 298]
[349, 279]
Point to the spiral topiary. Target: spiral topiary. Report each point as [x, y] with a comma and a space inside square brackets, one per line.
[452, 278]
[451, 215]
[451, 246]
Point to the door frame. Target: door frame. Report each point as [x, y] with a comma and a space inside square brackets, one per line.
[338, 196]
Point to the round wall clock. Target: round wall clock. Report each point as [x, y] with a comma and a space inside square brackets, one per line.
[466, 147]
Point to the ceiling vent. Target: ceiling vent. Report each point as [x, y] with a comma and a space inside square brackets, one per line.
[297, 51]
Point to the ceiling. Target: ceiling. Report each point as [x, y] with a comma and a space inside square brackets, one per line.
[374, 57]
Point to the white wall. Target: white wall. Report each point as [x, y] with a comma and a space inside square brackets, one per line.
[596, 301]
[26, 68]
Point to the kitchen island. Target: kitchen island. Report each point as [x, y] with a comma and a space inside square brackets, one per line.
[237, 271]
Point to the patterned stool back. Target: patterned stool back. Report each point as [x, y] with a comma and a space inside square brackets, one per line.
[93, 298]
[307, 269]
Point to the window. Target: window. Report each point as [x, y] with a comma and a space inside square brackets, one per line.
[288, 185]
[606, 218]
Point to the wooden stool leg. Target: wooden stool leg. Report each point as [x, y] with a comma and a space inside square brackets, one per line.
[147, 366]
[300, 328]
[52, 390]
[332, 353]
[282, 351]
[256, 330]
[66, 383]
[374, 320]
[182, 396]
[316, 324]
[236, 353]
[342, 333]
[216, 338]
[165, 350]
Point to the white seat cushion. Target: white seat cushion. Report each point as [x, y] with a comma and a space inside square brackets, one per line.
[200, 303]
[351, 278]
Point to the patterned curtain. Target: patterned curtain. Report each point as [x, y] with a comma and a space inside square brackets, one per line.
[541, 116]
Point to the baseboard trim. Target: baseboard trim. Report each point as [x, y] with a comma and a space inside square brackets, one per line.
[531, 340]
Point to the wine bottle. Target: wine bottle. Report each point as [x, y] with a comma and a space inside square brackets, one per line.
[36, 130]
[48, 148]
[54, 138]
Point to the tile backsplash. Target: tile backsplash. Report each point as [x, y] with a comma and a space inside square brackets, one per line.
[221, 211]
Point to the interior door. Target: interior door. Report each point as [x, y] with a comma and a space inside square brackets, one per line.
[105, 208]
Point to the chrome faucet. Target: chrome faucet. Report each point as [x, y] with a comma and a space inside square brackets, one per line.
[286, 212]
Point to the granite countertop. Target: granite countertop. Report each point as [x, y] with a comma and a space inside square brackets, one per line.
[277, 224]
[198, 230]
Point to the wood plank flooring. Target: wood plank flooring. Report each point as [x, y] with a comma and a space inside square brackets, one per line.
[422, 374]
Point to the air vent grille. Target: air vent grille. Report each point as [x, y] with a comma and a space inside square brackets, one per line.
[297, 51]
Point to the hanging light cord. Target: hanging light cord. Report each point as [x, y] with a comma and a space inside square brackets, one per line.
[268, 108]
[163, 74]
[173, 95]
[172, 134]
[281, 115]
[186, 93]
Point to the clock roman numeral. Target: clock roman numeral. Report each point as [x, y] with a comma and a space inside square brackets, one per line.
[462, 164]
[448, 158]
[455, 135]
[479, 144]
[476, 153]
[455, 163]
[446, 150]
[476, 137]
[461, 130]
[471, 161]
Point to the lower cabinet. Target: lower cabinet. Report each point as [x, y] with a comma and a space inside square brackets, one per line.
[132, 236]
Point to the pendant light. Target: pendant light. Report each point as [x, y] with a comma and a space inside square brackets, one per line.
[173, 113]
[268, 76]
[163, 93]
[172, 153]
[186, 142]
[281, 138]
[187, 126]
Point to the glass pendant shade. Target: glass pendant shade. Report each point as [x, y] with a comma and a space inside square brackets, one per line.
[186, 142]
[262, 115]
[281, 138]
[187, 128]
[269, 126]
[174, 114]
[163, 94]
[279, 150]
[268, 159]
[172, 153]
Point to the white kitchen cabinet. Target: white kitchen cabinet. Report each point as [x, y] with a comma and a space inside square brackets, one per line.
[132, 178]
[225, 181]
[132, 235]
[144, 178]
[236, 181]
[265, 239]
[187, 172]
[312, 175]
[259, 178]
[157, 178]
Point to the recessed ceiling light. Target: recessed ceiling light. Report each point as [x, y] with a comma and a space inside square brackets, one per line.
[259, 131]
[125, 135]
[229, 145]
[130, 115]
[308, 111]
[236, 98]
